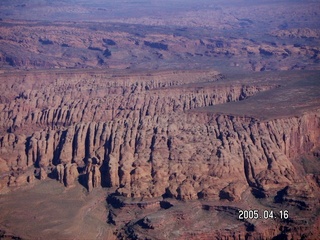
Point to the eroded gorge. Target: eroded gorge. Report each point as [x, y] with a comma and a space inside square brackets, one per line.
[159, 120]
[156, 136]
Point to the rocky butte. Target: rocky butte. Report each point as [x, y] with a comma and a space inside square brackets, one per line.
[95, 146]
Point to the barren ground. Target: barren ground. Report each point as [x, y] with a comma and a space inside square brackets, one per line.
[53, 212]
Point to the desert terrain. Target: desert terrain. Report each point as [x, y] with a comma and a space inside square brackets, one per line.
[159, 120]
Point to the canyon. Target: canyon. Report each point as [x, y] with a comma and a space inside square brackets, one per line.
[159, 120]
[163, 135]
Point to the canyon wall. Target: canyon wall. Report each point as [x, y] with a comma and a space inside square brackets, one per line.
[137, 134]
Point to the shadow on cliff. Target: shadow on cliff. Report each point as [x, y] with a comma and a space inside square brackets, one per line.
[82, 179]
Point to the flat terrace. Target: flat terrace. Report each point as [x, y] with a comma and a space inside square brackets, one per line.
[297, 92]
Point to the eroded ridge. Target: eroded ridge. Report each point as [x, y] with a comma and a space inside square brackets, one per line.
[135, 133]
[88, 120]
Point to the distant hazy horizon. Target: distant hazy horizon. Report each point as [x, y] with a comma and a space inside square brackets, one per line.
[64, 10]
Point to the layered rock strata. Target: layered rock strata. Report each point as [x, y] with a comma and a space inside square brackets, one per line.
[136, 134]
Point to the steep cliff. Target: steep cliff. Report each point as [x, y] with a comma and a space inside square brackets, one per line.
[120, 128]
[139, 134]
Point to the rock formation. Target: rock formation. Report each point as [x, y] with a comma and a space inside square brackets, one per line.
[145, 141]
[123, 101]
[67, 174]
[149, 136]
[93, 175]
[71, 174]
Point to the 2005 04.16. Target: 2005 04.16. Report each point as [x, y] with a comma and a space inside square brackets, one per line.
[265, 214]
